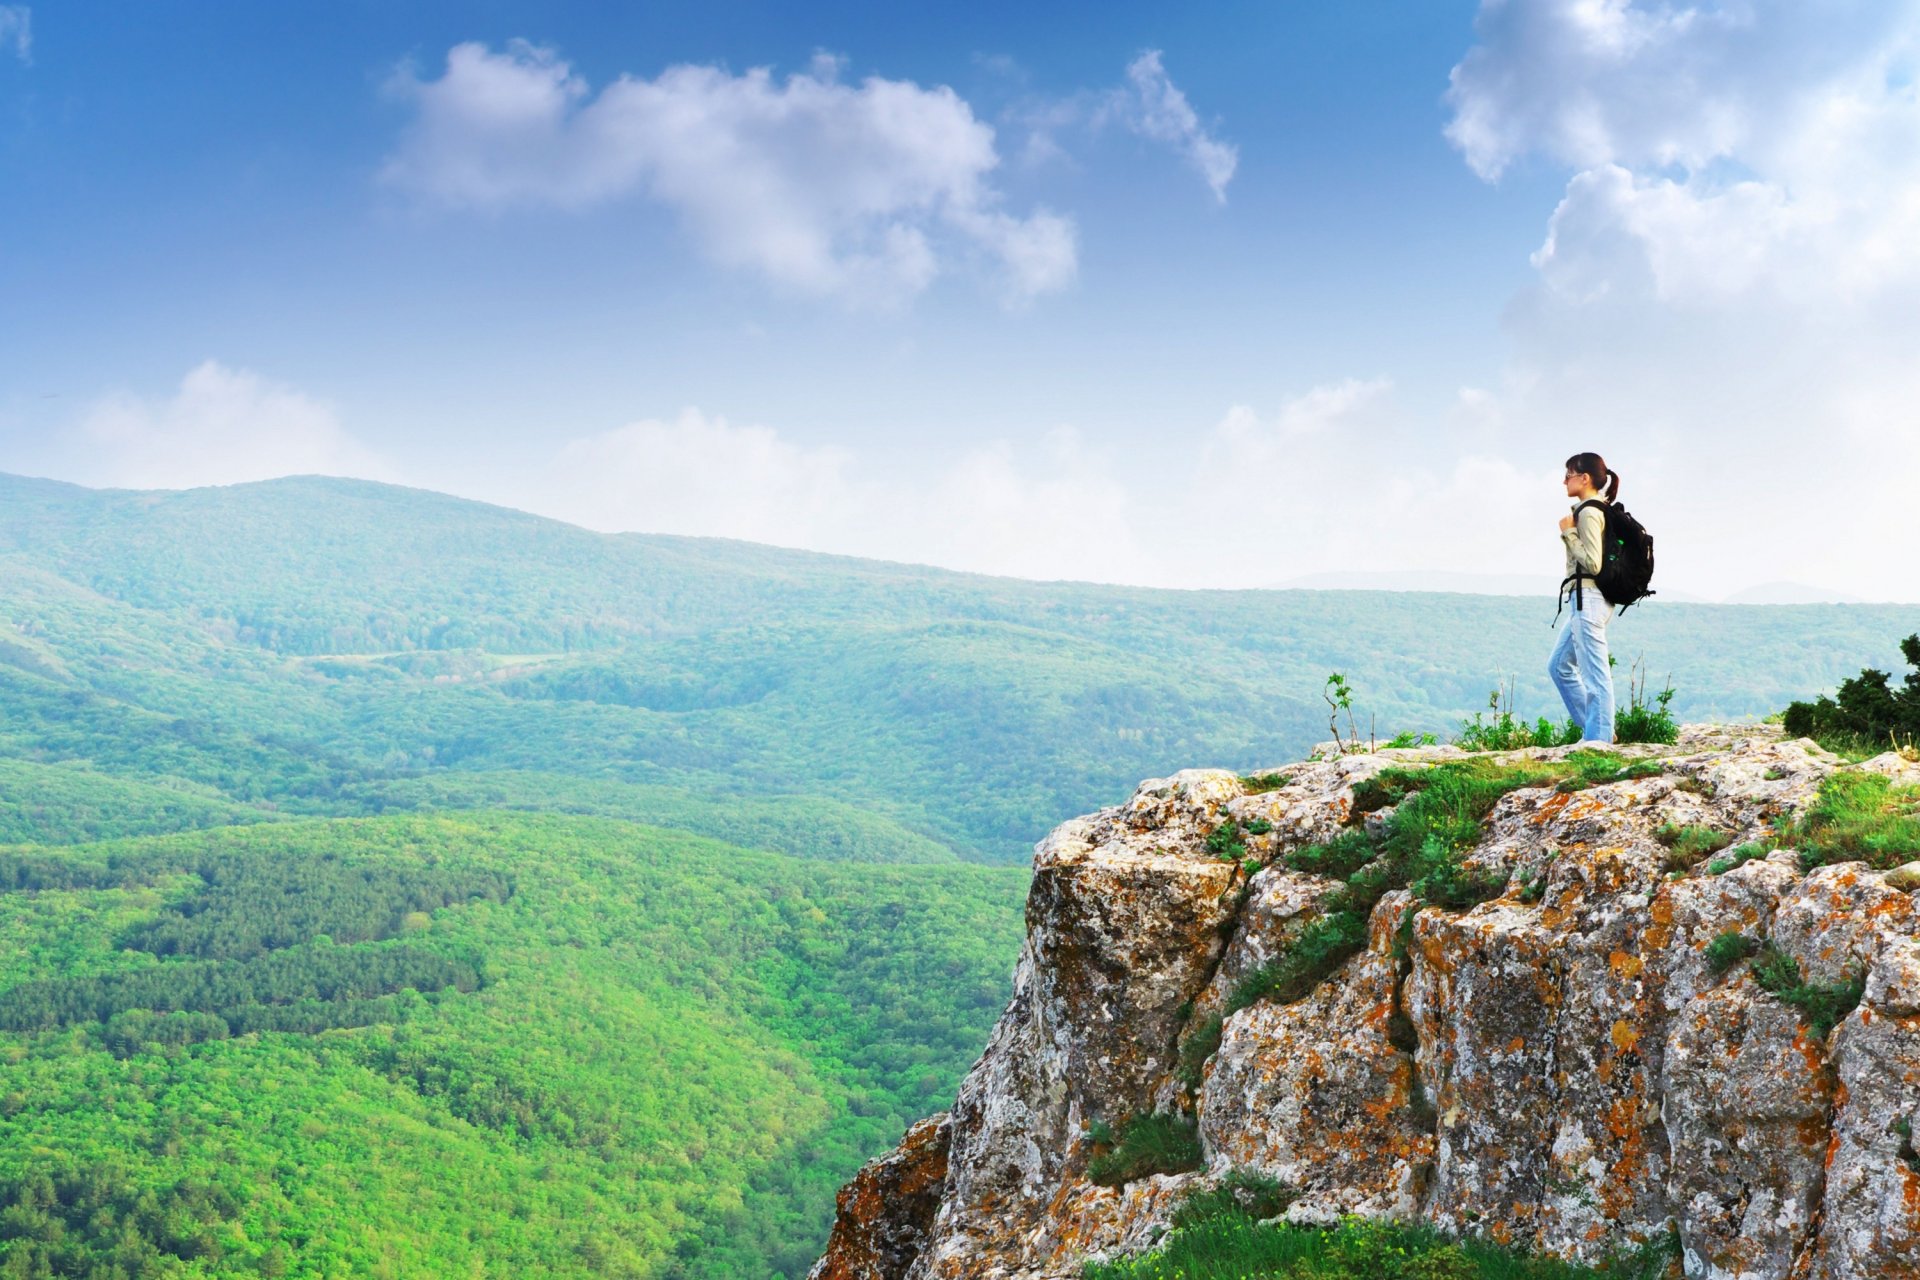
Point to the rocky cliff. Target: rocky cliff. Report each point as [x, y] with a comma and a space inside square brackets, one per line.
[1580, 1055]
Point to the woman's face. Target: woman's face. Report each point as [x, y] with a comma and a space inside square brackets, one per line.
[1578, 482]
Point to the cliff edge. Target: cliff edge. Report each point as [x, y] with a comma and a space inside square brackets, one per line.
[1634, 994]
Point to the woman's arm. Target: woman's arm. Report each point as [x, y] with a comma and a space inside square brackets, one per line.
[1585, 538]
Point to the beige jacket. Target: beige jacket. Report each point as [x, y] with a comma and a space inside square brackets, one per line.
[1583, 545]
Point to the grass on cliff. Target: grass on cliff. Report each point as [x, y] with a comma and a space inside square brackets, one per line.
[1860, 817]
[1438, 813]
[1159, 1142]
[1224, 1241]
[1822, 1004]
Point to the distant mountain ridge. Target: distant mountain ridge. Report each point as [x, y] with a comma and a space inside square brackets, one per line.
[340, 646]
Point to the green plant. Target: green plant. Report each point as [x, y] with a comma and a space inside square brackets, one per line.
[1226, 842]
[1408, 738]
[1256, 783]
[1643, 720]
[1504, 731]
[1866, 715]
[1728, 949]
[1822, 1004]
[1593, 767]
[1859, 816]
[1688, 844]
[1321, 948]
[1200, 1044]
[1220, 1240]
[1903, 1129]
[1155, 1142]
[1339, 698]
[1242, 1192]
[1337, 858]
[1737, 856]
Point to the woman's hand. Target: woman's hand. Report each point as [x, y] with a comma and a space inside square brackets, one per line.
[1566, 523]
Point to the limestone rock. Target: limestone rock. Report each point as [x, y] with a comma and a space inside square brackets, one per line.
[881, 1217]
[1560, 1067]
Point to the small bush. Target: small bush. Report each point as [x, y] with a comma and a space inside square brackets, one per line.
[1201, 1043]
[1740, 855]
[1688, 844]
[1412, 739]
[1226, 842]
[1159, 1142]
[1222, 1242]
[1338, 858]
[1867, 714]
[1250, 1195]
[1643, 720]
[1592, 768]
[1728, 949]
[1823, 1005]
[1498, 729]
[1321, 948]
[1860, 816]
[1439, 878]
[1257, 783]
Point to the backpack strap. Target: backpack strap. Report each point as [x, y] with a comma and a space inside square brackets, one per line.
[1578, 595]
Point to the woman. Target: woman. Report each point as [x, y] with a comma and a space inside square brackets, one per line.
[1579, 664]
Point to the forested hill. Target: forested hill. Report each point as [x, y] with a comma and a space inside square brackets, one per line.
[330, 646]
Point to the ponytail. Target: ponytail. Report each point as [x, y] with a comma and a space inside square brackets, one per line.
[1594, 467]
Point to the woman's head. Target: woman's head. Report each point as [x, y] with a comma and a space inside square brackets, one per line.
[1589, 471]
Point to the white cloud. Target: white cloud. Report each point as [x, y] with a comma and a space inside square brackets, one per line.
[1045, 512]
[1149, 105]
[1720, 150]
[1728, 291]
[1153, 107]
[863, 191]
[222, 426]
[699, 475]
[16, 29]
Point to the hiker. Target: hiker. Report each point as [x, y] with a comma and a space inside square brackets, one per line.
[1579, 664]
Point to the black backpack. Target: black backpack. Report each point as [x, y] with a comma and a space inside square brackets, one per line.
[1626, 557]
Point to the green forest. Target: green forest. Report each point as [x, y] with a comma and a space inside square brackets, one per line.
[397, 885]
[497, 1044]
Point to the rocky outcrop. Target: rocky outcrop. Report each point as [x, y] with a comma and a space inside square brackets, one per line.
[1559, 1067]
[881, 1217]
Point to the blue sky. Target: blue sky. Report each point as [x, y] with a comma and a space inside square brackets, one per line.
[1196, 295]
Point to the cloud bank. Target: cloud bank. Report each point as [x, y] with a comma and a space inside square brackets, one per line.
[222, 426]
[1728, 291]
[862, 191]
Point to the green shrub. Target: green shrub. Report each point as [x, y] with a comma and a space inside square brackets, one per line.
[1227, 842]
[1241, 1192]
[1321, 948]
[1412, 739]
[1688, 844]
[1439, 878]
[1498, 729]
[1337, 858]
[1200, 1044]
[1740, 855]
[1728, 949]
[1593, 767]
[1257, 783]
[1157, 1142]
[1644, 719]
[1867, 714]
[1221, 1241]
[1859, 816]
[1823, 1005]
